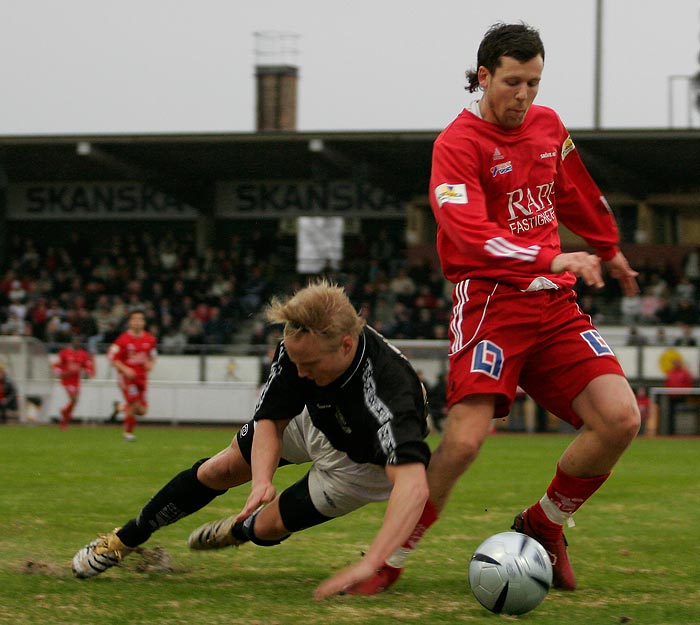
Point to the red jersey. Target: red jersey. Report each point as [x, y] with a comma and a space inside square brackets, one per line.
[679, 378]
[498, 195]
[71, 363]
[134, 351]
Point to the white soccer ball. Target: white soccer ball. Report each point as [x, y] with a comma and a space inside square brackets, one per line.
[510, 573]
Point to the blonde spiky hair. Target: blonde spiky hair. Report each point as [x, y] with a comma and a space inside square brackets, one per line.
[321, 308]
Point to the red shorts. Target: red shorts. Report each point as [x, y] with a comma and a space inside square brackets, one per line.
[134, 390]
[501, 337]
[71, 385]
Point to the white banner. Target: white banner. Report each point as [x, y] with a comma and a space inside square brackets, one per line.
[92, 200]
[319, 244]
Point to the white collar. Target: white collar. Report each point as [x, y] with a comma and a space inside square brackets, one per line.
[474, 109]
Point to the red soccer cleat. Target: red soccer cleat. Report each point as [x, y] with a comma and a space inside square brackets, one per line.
[379, 582]
[563, 572]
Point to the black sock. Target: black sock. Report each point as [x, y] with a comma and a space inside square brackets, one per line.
[183, 495]
[245, 531]
[239, 532]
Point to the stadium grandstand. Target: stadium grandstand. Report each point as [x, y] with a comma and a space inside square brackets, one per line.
[200, 230]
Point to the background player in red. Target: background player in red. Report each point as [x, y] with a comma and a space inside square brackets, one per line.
[504, 173]
[72, 364]
[133, 355]
[678, 376]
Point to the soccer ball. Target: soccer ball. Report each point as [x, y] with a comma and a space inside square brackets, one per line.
[510, 573]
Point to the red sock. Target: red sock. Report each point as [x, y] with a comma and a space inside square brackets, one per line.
[564, 496]
[67, 413]
[427, 518]
[129, 423]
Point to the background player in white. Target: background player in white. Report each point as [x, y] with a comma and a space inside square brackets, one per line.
[504, 173]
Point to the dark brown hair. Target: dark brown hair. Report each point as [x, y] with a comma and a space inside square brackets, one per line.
[519, 41]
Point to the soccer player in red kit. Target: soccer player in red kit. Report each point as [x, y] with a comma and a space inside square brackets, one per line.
[72, 365]
[133, 355]
[504, 173]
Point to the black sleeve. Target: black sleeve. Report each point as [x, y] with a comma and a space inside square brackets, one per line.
[402, 436]
[282, 396]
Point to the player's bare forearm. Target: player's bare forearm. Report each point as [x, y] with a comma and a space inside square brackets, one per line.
[125, 370]
[406, 502]
[264, 458]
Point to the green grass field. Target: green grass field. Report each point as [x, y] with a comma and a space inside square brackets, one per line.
[635, 547]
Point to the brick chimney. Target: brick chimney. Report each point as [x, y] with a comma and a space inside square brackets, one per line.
[276, 81]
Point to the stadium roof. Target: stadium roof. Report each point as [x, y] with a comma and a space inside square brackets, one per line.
[629, 165]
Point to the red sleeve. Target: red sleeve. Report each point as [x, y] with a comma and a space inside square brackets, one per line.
[581, 206]
[89, 364]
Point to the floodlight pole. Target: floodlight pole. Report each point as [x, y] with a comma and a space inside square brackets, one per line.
[672, 79]
[597, 88]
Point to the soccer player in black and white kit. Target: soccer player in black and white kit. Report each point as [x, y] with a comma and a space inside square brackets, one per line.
[338, 395]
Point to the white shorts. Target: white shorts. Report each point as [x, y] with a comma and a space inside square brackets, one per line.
[337, 484]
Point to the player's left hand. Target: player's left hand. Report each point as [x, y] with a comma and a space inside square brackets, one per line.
[259, 495]
[619, 268]
[336, 583]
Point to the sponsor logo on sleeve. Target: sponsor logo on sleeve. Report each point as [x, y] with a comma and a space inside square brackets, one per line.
[567, 147]
[451, 193]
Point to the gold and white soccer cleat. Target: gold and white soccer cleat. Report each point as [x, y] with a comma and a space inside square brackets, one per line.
[214, 535]
[101, 554]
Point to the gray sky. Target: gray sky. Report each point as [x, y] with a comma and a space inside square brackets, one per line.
[92, 66]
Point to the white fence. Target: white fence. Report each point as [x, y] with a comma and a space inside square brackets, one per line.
[224, 388]
[172, 402]
[687, 414]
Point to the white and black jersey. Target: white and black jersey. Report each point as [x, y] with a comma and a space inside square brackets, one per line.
[375, 412]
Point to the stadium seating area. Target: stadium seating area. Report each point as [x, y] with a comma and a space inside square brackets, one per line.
[196, 301]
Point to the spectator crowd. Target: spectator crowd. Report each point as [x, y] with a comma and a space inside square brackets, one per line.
[194, 301]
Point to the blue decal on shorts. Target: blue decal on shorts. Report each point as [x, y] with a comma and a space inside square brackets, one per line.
[488, 358]
[597, 343]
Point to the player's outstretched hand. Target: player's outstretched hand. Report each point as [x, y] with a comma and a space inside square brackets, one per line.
[259, 495]
[582, 264]
[338, 582]
[620, 269]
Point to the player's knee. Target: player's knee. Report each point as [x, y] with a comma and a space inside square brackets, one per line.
[622, 423]
[462, 447]
[629, 422]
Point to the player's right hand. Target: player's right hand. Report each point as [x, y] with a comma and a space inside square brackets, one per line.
[582, 264]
